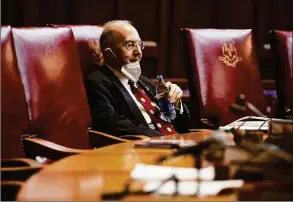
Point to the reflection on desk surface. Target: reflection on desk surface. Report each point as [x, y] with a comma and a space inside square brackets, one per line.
[86, 176]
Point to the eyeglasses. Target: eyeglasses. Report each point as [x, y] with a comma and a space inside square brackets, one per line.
[130, 45]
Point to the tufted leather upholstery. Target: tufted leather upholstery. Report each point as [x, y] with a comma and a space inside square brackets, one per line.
[14, 114]
[49, 67]
[87, 38]
[282, 47]
[215, 77]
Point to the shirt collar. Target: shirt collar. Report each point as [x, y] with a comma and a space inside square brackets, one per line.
[124, 80]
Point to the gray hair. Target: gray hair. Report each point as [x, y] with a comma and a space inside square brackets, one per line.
[109, 35]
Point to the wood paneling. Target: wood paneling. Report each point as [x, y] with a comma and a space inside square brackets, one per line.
[93, 12]
[159, 22]
[233, 14]
[192, 14]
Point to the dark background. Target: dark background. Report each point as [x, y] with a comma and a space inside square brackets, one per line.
[159, 21]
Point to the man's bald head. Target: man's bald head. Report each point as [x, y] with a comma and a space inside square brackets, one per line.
[114, 32]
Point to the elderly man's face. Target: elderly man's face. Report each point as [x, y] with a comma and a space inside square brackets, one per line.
[129, 46]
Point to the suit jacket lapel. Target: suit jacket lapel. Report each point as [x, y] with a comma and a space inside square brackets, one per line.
[130, 102]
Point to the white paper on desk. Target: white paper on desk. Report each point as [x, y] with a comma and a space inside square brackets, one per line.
[190, 187]
[154, 172]
[180, 143]
[249, 123]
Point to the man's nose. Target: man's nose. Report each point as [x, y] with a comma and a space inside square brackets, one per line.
[137, 50]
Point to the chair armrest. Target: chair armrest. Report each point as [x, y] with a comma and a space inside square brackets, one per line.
[100, 139]
[34, 147]
[19, 173]
[135, 137]
[10, 189]
[18, 162]
[18, 169]
[199, 130]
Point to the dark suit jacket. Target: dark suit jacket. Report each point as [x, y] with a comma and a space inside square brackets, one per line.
[113, 110]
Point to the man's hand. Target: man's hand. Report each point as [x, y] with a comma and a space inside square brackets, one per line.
[175, 93]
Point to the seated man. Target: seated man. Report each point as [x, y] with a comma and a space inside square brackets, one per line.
[121, 100]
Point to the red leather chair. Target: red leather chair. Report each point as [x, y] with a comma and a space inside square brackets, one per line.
[87, 38]
[221, 65]
[14, 115]
[282, 46]
[49, 65]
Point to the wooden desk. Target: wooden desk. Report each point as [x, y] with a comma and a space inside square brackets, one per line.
[86, 176]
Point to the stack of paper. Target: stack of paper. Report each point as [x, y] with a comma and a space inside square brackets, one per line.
[153, 172]
[249, 123]
[190, 187]
[187, 185]
[165, 143]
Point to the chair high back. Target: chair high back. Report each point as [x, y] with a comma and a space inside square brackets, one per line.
[87, 38]
[14, 114]
[282, 47]
[50, 71]
[221, 65]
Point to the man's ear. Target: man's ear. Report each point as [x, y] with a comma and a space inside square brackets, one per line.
[109, 53]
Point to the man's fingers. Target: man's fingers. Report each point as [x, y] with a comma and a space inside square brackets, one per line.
[172, 91]
[175, 93]
[178, 95]
[168, 83]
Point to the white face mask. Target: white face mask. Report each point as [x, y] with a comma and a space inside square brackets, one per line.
[132, 71]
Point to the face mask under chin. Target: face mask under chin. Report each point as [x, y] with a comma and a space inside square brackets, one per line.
[132, 71]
